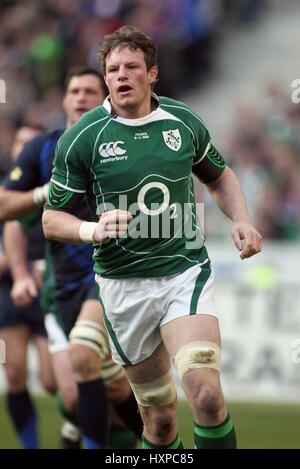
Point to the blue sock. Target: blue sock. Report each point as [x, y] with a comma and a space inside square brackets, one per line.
[93, 414]
[88, 443]
[22, 413]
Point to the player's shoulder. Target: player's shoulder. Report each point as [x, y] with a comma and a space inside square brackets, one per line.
[53, 135]
[94, 116]
[37, 143]
[87, 126]
[180, 110]
[164, 101]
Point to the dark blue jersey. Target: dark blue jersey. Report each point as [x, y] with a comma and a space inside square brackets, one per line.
[72, 262]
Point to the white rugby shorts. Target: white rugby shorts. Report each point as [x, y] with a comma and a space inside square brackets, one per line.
[135, 309]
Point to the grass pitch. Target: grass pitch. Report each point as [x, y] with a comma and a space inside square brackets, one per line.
[257, 425]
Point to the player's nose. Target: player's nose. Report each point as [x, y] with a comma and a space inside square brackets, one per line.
[122, 75]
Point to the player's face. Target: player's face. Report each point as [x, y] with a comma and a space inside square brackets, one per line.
[83, 94]
[129, 82]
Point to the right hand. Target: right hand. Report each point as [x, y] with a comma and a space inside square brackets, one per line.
[24, 291]
[112, 224]
[40, 194]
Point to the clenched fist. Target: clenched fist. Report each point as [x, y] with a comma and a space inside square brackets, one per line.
[112, 224]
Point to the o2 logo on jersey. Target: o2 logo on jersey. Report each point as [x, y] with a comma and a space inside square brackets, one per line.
[165, 202]
[172, 139]
[111, 149]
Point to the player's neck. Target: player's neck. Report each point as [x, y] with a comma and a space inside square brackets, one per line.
[134, 113]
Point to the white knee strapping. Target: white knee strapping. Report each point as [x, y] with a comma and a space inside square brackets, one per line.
[90, 334]
[160, 391]
[198, 354]
[111, 371]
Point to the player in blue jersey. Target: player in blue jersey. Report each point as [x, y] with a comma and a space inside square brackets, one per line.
[133, 158]
[20, 323]
[75, 290]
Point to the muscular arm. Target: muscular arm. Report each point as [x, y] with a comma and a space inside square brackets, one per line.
[16, 248]
[63, 226]
[229, 197]
[14, 204]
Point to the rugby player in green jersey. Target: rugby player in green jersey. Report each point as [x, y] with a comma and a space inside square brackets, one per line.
[133, 157]
[84, 371]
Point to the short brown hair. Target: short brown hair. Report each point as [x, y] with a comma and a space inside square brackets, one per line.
[79, 71]
[132, 37]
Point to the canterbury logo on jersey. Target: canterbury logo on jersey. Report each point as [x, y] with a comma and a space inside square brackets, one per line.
[111, 149]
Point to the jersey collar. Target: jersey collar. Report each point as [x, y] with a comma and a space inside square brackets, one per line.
[140, 120]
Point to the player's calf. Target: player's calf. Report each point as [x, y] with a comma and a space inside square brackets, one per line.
[88, 348]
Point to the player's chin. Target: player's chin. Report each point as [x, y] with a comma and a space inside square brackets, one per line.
[78, 114]
[126, 99]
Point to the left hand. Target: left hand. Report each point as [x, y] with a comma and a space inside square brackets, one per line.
[24, 291]
[247, 240]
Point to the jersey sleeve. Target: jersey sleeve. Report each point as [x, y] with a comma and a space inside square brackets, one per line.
[71, 163]
[61, 198]
[25, 174]
[208, 164]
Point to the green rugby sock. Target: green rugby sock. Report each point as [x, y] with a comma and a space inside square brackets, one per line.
[176, 444]
[220, 436]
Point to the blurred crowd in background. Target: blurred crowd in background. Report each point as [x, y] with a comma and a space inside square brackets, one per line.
[264, 151]
[40, 41]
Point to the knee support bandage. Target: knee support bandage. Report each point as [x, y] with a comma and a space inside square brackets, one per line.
[111, 371]
[198, 354]
[161, 391]
[90, 334]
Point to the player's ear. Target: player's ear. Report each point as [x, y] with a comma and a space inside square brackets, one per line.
[152, 74]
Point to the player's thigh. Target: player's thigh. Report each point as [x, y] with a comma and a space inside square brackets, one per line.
[157, 365]
[186, 329]
[91, 311]
[16, 339]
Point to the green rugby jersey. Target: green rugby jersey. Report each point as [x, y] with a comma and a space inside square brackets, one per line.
[144, 166]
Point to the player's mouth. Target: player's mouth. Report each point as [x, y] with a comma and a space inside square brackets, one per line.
[124, 89]
[82, 110]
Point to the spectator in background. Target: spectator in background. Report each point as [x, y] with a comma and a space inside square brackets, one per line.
[264, 151]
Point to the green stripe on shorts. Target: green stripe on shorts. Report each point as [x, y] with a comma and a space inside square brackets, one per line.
[199, 285]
